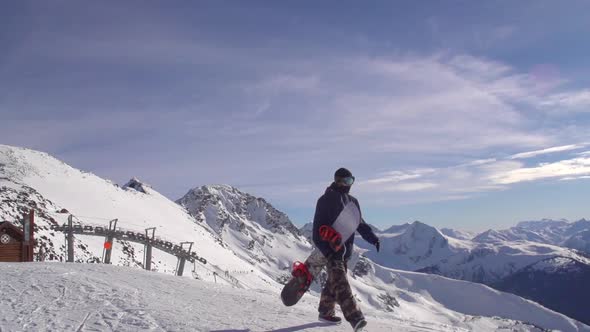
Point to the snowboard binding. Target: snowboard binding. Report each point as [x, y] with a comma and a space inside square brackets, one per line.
[298, 285]
[301, 273]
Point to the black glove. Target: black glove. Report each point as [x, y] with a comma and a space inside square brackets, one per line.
[377, 245]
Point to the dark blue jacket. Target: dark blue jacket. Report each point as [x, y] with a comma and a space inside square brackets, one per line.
[327, 210]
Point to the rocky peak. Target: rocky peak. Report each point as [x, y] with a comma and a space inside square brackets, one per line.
[219, 205]
[541, 224]
[556, 264]
[579, 241]
[249, 225]
[490, 235]
[307, 231]
[578, 226]
[396, 228]
[419, 230]
[457, 234]
[137, 185]
[420, 241]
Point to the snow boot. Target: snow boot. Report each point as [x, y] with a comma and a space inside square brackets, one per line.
[330, 319]
[359, 325]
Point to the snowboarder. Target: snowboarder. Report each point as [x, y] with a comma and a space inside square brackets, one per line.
[337, 217]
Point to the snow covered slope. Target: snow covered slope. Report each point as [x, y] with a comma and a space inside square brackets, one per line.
[513, 234]
[32, 179]
[553, 281]
[96, 297]
[458, 234]
[579, 241]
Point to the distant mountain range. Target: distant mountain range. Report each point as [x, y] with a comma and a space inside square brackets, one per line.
[562, 233]
[501, 259]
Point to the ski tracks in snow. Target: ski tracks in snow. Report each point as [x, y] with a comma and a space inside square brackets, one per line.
[81, 297]
[96, 297]
[66, 302]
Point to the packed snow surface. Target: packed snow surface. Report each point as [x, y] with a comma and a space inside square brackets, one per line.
[97, 297]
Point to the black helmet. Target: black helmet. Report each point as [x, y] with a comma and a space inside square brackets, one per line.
[343, 176]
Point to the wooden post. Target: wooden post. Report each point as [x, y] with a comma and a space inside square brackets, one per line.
[28, 244]
[24, 244]
[31, 234]
[147, 257]
[70, 236]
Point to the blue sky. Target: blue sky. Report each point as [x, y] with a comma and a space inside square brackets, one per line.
[465, 114]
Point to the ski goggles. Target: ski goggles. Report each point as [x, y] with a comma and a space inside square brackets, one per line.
[347, 181]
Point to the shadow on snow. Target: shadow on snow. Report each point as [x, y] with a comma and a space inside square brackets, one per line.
[286, 329]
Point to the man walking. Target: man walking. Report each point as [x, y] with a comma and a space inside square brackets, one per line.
[337, 215]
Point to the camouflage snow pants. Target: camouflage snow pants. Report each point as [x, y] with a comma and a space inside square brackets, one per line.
[337, 289]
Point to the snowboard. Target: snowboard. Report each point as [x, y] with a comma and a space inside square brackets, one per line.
[348, 220]
[298, 284]
[302, 276]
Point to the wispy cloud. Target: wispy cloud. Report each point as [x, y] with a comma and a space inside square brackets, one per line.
[559, 169]
[572, 178]
[535, 153]
[397, 181]
[182, 101]
[478, 176]
[411, 186]
[569, 101]
[397, 176]
[414, 104]
[319, 112]
[479, 162]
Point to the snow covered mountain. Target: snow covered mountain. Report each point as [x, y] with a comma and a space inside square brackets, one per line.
[556, 232]
[513, 234]
[247, 243]
[543, 224]
[414, 246]
[495, 258]
[98, 297]
[579, 241]
[553, 281]
[491, 258]
[457, 234]
[420, 247]
[249, 225]
[306, 231]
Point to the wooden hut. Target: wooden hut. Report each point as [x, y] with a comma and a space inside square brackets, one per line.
[16, 245]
